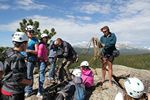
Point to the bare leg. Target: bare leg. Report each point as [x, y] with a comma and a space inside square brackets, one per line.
[110, 73]
[103, 72]
[104, 64]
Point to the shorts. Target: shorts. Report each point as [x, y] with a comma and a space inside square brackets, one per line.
[107, 57]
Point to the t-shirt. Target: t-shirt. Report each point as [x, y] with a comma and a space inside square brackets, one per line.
[31, 46]
[31, 43]
[43, 52]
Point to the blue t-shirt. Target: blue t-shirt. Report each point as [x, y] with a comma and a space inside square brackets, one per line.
[31, 43]
[31, 46]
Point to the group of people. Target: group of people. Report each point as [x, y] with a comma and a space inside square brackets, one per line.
[17, 71]
[27, 52]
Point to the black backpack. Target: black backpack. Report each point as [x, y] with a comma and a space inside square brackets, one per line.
[72, 91]
[11, 56]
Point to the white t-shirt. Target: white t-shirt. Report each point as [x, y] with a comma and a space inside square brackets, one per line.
[1, 66]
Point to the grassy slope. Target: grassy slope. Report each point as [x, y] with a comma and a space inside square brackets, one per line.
[141, 61]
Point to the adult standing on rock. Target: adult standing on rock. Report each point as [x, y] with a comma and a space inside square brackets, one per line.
[107, 41]
[69, 54]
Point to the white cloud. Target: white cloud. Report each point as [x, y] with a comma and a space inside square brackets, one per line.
[134, 30]
[131, 30]
[94, 7]
[29, 4]
[11, 27]
[4, 7]
[85, 18]
[134, 7]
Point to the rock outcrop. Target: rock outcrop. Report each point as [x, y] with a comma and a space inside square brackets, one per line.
[104, 92]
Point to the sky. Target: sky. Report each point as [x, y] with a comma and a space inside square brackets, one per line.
[77, 21]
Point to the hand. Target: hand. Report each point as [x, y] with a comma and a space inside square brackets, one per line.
[26, 82]
[29, 82]
[103, 44]
[28, 50]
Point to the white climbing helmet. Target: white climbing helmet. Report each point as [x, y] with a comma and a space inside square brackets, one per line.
[19, 37]
[77, 72]
[29, 28]
[44, 35]
[134, 87]
[84, 63]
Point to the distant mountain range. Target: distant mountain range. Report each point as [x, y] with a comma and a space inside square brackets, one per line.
[125, 49]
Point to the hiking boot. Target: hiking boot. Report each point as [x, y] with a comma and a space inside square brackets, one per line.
[39, 95]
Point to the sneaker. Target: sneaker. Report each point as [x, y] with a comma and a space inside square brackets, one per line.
[39, 95]
[27, 94]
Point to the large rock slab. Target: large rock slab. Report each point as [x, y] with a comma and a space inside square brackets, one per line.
[104, 92]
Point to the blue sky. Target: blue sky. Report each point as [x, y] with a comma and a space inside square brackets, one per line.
[77, 21]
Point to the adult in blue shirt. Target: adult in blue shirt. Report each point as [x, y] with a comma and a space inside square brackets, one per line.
[32, 50]
[108, 41]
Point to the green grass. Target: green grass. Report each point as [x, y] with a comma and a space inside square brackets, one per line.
[141, 61]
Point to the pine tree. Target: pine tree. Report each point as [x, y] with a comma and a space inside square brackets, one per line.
[24, 23]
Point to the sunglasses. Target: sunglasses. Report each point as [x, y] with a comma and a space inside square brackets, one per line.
[104, 31]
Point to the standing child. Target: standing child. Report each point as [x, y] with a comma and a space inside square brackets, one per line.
[31, 57]
[15, 70]
[42, 59]
[87, 74]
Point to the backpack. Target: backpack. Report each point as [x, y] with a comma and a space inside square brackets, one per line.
[80, 92]
[72, 91]
[66, 93]
[87, 77]
[9, 55]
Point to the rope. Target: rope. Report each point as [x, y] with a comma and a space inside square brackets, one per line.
[86, 51]
[96, 49]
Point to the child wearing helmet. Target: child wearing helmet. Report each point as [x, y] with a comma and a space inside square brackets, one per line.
[32, 50]
[42, 60]
[87, 74]
[74, 90]
[134, 89]
[15, 70]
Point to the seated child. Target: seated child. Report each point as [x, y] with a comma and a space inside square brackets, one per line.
[74, 90]
[87, 74]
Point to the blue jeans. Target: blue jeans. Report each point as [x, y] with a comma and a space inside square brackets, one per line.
[52, 67]
[42, 67]
[30, 68]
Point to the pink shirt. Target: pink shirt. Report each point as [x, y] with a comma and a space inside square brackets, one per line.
[42, 52]
[87, 77]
